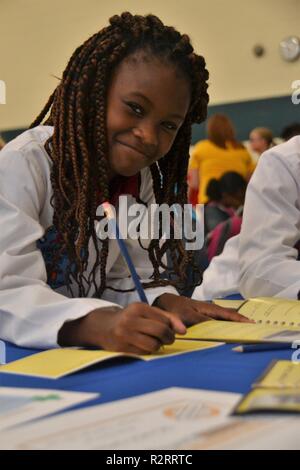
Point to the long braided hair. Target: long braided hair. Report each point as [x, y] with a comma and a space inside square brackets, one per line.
[78, 147]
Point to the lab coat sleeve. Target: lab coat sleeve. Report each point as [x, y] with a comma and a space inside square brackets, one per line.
[31, 313]
[271, 228]
[221, 277]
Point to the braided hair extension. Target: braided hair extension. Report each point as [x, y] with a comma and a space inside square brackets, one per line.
[78, 147]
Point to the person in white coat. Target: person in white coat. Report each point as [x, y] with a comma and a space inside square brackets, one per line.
[263, 259]
[221, 278]
[120, 122]
[269, 239]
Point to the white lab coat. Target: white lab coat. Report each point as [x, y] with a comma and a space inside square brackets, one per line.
[221, 278]
[271, 225]
[262, 260]
[31, 313]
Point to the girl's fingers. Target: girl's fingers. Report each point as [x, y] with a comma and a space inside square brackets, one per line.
[138, 343]
[177, 324]
[233, 315]
[229, 314]
[166, 317]
[163, 332]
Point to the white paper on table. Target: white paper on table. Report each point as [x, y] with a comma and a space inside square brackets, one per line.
[19, 405]
[160, 420]
[258, 432]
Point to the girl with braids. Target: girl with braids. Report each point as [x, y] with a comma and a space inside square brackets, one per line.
[119, 122]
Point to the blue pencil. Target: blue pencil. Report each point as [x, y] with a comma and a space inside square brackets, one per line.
[125, 254]
[261, 347]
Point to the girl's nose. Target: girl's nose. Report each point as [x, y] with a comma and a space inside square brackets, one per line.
[147, 134]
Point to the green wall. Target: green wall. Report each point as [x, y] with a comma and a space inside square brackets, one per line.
[274, 113]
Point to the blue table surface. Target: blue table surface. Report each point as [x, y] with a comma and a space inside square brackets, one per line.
[213, 369]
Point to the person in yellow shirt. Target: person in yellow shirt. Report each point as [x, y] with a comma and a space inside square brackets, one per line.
[219, 154]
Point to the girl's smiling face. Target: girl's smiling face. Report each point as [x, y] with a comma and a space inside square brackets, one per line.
[147, 103]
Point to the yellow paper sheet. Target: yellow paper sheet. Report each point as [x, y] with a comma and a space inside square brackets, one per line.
[179, 347]
[265, 399]
[234, 332]
[236, 304]
[281, 374]
[272, 311]
[56, 363]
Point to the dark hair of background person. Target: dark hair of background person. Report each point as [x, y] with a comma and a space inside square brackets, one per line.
[230, 183]
[291, 131]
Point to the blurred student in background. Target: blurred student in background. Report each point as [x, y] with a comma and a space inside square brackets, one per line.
[219, 154]
[290, 131]
[223, 212]
[226, 197]
[261, 139]
[263, 260]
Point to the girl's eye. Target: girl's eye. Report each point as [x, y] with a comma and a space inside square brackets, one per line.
[137, 109]
[170, 126]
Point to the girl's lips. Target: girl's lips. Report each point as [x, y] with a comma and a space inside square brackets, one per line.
[134, 149]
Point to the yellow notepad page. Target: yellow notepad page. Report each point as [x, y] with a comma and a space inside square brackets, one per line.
[269, 399]
[236, 304]
[272, 311]
[234, 332]
[267, 310]
[56, 363]
[280, 374]
[179, 347]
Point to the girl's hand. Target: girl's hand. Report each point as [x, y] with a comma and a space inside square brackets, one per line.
[138, 329]
[194, 311]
